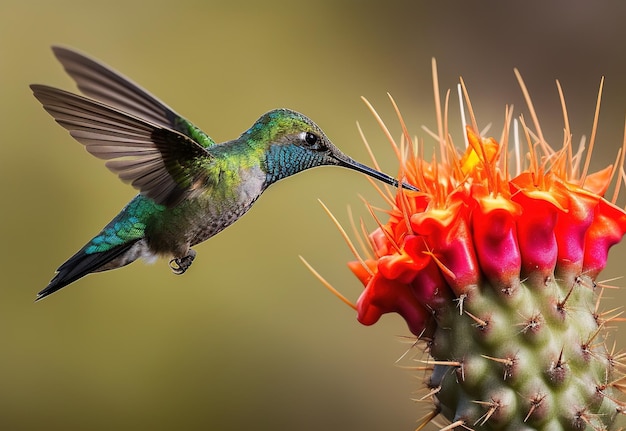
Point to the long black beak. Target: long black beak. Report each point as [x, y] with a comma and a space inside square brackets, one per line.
[349, 163]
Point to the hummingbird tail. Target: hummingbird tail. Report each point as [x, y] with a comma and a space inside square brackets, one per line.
[83, 263]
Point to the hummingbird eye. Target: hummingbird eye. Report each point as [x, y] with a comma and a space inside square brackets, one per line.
[315, 142]
[311, 138]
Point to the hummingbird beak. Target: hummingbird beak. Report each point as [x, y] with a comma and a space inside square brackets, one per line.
[349, 163]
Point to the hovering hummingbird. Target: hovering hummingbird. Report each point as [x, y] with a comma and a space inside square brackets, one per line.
[190, 187]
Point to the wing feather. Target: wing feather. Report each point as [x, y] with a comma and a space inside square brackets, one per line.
[102, 83]
[162, 163]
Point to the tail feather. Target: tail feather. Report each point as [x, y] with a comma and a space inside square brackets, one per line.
[83, 263]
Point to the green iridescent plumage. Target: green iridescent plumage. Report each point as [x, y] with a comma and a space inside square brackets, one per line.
[128, 225]
[194, 132]
[190, 186]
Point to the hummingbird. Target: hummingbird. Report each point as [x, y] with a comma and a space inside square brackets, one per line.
[190, 187]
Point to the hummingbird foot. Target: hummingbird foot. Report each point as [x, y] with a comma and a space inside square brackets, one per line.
[180, 264]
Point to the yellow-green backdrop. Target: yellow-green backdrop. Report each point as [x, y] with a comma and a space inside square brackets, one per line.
[248, 339]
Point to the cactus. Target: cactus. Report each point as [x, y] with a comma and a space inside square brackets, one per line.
[496, 274]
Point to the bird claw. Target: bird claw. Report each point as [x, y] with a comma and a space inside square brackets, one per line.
[179, 265]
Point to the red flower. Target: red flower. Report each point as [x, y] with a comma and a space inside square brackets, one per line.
[473, 221]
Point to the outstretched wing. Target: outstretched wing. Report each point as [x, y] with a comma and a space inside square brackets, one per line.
[165, 165]
[104, 84]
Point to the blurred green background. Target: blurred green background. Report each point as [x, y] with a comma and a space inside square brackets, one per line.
[248, 339]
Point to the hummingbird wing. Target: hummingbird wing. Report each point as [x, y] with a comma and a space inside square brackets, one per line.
[164, 164]
[110, 87]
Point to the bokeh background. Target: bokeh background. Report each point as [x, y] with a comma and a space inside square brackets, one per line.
[248, 339]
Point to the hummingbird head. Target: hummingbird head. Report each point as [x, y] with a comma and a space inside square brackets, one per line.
[295, 143]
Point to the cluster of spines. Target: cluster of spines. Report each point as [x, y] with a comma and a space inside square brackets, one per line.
[505, 401]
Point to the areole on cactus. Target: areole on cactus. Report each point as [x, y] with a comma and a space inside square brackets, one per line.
[494, 266]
